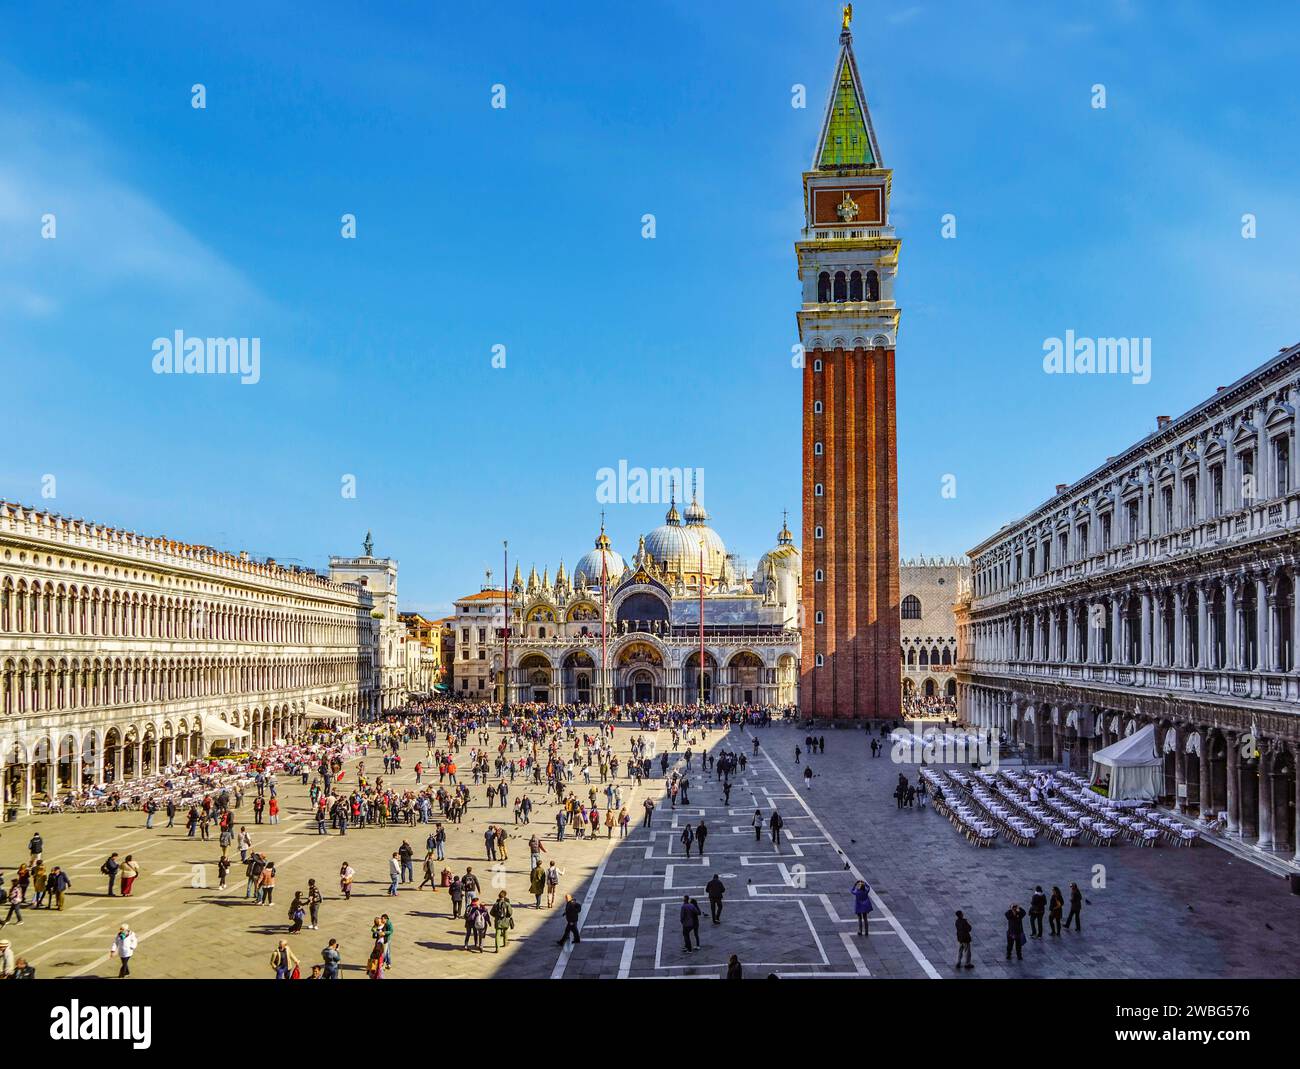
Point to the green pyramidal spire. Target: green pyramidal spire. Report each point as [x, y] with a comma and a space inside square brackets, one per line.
[845, 141]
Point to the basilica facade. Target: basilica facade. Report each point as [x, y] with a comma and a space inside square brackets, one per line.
[683, 619]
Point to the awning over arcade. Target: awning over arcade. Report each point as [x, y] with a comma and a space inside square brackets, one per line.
[316, 711]
[216, 728]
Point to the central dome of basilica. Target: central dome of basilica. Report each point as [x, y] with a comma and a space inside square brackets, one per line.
[675, 547]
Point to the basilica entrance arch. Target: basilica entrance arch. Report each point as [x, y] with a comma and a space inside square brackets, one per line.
[639, 668]
[535, 675]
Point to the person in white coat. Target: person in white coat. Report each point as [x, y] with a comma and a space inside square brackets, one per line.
[6, 960]
[123, 948]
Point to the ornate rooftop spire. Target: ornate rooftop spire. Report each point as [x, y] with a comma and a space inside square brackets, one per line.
[368, 545]
[785, 538]
[848, 138]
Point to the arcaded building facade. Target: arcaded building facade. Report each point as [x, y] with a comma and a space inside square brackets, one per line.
[1160, 588]
[120, 654]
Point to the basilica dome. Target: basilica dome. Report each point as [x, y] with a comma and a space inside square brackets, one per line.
[784, 559]
[589, 568]
[675, 547]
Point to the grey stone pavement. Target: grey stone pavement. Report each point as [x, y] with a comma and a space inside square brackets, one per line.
[788, 912]
[1149, 913]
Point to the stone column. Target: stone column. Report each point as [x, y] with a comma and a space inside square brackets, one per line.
[1202, 627]
[1116, 632]
[1180, 629]
[1263, 631]
[1296, 859]
[1180, 774]
[1146, 627]
[1265, 840]
[1234, 784]
[1203, 798]
[1229, 626]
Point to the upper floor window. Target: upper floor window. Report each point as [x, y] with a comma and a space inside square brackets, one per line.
[824, 287]
[1131, 518]
[817, 408]
[1167, 505]
[819, 575]
[911, 608]
[818, 490]
[818, 532]
[1282, 464]
[1105, 531]
[817, 449]
[817, 365]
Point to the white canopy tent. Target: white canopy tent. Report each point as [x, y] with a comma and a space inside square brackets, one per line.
[316, 711]
[215, 728]
[1136, 770]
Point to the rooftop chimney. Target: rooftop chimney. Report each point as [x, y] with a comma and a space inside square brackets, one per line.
[1219, 389]
[1061, 487]
[1162, 422]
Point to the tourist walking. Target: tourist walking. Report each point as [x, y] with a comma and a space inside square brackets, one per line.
[690, 921]
[123, 948]
[963, 941]
[1076, 907]
[503, 918]
[571, 912]
[715, 889]
[130, 873]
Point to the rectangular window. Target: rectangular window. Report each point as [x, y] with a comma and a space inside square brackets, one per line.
[1081, 540]
[482, 634]
[1105, 531]
[1131, 512]
[1282, 464]
[1216, 489]
[1190, 511]
[1167, 507]
[1063, 546]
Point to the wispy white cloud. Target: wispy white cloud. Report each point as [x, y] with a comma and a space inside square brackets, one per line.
[113, 239]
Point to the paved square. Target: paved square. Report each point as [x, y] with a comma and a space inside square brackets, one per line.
[1161, 913]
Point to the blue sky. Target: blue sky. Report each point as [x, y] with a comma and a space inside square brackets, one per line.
[522, 227]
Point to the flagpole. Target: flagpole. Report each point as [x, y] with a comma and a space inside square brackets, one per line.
[505, 634]
[701, 627]
[604, 638]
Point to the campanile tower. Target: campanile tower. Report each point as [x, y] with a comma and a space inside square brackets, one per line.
[848, 257]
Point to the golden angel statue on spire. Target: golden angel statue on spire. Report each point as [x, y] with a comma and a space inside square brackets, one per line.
[848, 15]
